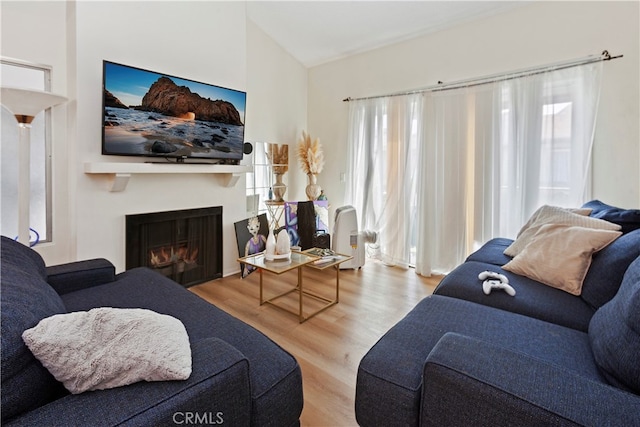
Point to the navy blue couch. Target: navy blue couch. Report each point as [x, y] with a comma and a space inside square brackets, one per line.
[543, 357]
[239, 376]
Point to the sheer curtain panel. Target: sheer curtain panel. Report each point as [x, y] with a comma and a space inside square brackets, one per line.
[382, 171]
[546, 139]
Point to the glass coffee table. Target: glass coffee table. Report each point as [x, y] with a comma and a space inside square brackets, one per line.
[298, 261]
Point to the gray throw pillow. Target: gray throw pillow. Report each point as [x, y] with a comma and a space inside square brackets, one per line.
[110, 347]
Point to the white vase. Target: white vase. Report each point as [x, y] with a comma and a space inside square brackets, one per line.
[270, 249]
[313, 189]
[283, 243]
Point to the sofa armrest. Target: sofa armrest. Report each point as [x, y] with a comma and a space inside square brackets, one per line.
[218, 391]
[65, 278]
[468, 381]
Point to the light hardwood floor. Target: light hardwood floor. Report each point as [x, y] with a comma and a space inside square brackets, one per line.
[329, 346]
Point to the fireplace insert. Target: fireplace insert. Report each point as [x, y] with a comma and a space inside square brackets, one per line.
[184, 245]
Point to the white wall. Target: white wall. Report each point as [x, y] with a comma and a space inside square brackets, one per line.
[277, 98]
[203, 41]
[534, 34]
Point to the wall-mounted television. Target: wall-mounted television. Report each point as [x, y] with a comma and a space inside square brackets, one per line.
[146, 113]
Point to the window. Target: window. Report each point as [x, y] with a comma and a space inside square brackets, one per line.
[28, 76]
[555, 168]
[259, 181]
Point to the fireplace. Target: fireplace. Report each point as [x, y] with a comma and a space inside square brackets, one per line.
[184, 245]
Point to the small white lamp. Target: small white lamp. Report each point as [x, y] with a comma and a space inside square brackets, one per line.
[25, 104]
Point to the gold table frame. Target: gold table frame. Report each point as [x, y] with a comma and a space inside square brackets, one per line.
[298, 261]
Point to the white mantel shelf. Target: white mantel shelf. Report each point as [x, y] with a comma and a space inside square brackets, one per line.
[121, 172]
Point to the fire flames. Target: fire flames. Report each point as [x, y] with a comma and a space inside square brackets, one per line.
[168, 255]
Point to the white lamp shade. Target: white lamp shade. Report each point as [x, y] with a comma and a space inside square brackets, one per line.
[28, 102]
[25, 104]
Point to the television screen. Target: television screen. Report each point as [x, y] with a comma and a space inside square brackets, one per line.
[154, 114]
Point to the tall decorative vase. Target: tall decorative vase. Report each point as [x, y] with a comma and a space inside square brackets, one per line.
[279, 188]
[313, 189]
[270, 246]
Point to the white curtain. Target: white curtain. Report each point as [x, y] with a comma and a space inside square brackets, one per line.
[382, 170]
[472, 163]
[446, 204]
[546, 138]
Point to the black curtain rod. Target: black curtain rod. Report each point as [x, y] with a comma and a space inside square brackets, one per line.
[604, 56]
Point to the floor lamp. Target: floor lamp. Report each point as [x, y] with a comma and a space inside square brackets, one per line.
[25, 104]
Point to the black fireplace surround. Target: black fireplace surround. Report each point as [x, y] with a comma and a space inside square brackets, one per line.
[183, 245]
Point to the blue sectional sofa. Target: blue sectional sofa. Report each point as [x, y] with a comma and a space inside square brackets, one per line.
[239, 376]
[541, 357]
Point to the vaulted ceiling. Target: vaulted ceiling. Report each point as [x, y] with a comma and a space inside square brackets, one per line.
[315, 32]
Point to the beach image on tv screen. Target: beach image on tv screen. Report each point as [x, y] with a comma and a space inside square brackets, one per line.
[153, 114]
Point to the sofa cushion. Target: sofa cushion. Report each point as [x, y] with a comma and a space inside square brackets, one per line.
[217, 384]
[395, 377]
[560, 255]
[555, 215]
[532, 298]
[608, 267]
[614, 332]
[628, 219]
[26, 299]
[108, 347]
[276, 380]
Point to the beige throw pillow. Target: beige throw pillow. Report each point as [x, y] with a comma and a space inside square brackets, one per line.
[560, 255]
[555, 215]
[110, 347]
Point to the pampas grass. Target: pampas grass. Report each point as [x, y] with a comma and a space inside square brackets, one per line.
[278, 155]
[310, 154]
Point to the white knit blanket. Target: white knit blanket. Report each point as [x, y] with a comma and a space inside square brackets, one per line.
[110, 347]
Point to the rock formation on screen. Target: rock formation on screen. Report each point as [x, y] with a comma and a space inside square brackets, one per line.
[167, 98]
[110, 100]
